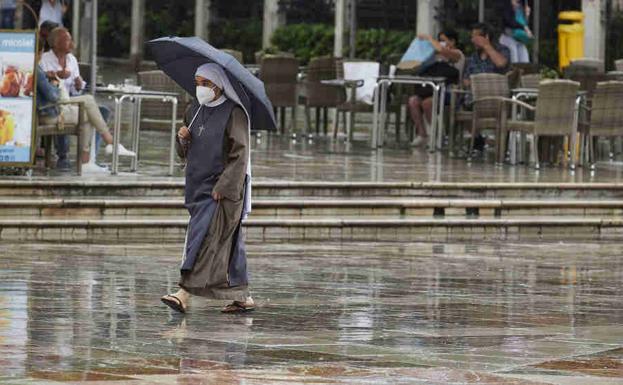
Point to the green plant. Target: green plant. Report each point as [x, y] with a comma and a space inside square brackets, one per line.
[309, 40]
[245, 37]
[304, 40]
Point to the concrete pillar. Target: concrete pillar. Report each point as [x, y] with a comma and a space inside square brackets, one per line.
[536, 30]
[340, 28]
[84, 54]
[481, 11]
[595, 28]
[138, 32]
[352, 24]
[75, 24]
[19, 15]
[426, 17]
[273, 19]
[202, 18]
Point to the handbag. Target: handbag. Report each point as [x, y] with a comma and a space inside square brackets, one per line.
[438, 69]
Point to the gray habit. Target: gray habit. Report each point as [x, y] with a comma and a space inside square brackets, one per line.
[214, 263]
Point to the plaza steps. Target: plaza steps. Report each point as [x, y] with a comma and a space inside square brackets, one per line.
[305, 208]
[152, 211]
[174, 187]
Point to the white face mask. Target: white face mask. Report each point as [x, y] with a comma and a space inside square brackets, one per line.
[205, 95]
[443, 44]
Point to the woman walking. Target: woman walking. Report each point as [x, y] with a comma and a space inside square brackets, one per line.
[215, 146]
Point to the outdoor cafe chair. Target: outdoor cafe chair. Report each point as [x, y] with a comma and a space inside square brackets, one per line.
[486, 89]
[530, 81]
[153, 112]
[320, 96]
[368, 71]
[604, 115]
[280, 77]
[47, 128]
[556, 114]
[597, 64]
[480, 108]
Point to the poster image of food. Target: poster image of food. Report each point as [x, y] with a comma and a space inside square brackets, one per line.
[17, 104]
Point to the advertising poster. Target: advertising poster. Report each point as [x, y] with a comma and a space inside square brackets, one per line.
[17, 97]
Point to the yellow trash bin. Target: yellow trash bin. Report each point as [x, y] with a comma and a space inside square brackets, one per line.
[570, 37]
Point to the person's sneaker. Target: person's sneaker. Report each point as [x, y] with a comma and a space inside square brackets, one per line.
[122, 151]
[418, 141]
[63, 164]
[92, 168]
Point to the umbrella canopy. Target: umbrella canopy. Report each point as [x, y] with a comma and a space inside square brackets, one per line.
[179, 58]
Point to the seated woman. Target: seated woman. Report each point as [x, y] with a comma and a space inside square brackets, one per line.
[449, 64]
[48, 94]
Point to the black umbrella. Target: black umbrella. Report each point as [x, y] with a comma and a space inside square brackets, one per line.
[179, 58]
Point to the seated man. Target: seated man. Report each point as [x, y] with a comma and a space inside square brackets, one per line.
[488, 57]
[49, 93]
[59, 63]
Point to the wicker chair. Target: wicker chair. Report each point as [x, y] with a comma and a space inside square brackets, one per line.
[280, 77]
[318, 95]
[555, 115]
[356, 106]
[588, 81]
[486, 109]
[597, 64]
[153, 112]
[530, 81]
[605, 114]
[618, 64]
[47, 128]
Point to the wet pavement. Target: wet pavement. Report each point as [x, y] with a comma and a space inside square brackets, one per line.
[357, 313]
[279, 157]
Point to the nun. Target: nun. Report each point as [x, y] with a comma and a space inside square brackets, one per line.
[214, 143]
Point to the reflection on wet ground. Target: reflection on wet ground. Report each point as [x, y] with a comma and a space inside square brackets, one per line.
[277, 157]
[328, 314]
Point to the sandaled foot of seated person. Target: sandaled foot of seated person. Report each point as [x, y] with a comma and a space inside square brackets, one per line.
[177, 301]
[240, 307]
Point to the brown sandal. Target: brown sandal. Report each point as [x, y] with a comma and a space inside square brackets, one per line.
[237, 307]
[174, 303]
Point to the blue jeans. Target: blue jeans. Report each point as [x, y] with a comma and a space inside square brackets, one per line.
[61, 142]
[8, 19]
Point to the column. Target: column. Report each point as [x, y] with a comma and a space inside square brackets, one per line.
[75, 23]
[19, 15]
[594, 28]
[536, 30]
[426, 17]
[340, 28]
[352, 23]
[273, 19]
[84, 42]
[481, 11]
[138, 32]
[202, 18]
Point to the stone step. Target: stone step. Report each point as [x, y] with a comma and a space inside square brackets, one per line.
[96, 208]
[164, 230]
[173, 187]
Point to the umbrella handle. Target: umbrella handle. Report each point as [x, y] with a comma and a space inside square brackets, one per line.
[194, 117]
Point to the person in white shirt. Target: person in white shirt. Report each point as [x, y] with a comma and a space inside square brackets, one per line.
[59, 63]
[52, 10]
